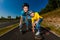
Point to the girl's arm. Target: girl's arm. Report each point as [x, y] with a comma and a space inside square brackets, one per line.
[37, 21]
[33, 25]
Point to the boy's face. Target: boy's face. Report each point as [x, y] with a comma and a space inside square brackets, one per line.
[25, 8]
[32, 14]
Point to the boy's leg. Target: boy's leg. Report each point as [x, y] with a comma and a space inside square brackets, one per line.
[27, 25]
[23, 19]
[26, 21]
[20, 26]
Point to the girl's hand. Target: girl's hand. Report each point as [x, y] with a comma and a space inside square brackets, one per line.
[33, 24]
[36, 22]
[33, 31]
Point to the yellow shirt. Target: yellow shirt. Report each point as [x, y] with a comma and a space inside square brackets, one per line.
[36, 17]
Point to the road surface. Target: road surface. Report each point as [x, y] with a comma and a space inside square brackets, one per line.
[17, 35]
[5, 24]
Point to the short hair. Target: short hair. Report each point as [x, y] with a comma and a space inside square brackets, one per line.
[25, 4]
[31, 12]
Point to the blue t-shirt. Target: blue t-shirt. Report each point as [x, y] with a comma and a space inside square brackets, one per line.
[25, 14]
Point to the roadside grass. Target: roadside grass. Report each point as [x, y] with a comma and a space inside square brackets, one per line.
[46, 22]
[51, 28]
[7, 29]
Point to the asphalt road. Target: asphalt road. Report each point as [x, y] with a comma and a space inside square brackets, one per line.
[17, 35]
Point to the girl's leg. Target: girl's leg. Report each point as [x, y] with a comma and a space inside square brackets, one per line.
[38, 27]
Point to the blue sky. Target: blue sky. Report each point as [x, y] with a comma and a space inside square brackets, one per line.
[13, 7]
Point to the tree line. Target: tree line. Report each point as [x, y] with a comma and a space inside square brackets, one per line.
[9, 17]
[52, 5]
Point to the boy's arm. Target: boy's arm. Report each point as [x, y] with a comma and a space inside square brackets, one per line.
[21, 17]
[21, 20]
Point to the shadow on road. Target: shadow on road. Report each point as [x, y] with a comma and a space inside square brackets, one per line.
[15, 34]
[47, 35]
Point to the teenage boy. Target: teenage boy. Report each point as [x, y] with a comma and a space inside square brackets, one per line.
[24, 16]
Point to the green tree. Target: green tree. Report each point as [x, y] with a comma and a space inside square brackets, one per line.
[58, 2]
[52, 5]
[3, 17]
[9, 17]
[17, 17]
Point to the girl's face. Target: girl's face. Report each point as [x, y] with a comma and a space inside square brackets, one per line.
[25, 9]
[32, 15]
